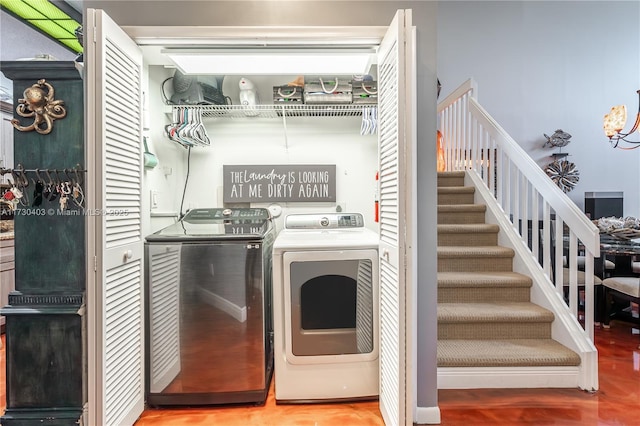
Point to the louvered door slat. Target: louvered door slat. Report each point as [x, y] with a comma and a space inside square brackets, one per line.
[117, 113]
[118, 134]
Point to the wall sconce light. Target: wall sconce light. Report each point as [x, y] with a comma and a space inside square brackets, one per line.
[615, 121]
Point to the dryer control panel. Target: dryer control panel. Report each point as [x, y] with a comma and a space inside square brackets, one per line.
[324, 221]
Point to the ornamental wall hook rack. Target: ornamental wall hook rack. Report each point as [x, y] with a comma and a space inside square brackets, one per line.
[39, 103]
[64, 185]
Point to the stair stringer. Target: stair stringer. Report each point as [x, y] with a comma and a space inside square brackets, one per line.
[565, 328]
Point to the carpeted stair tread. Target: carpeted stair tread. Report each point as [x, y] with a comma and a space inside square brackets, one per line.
[457, 208]
[467, 228]
[456, 190]
[516, 312]
[505, 353]
[472, 258]
[483, 279]
[452, 173]
[468, 234]
[451, 178]
[455, 194]
[474, 251]
[461, 213]
[483, 287]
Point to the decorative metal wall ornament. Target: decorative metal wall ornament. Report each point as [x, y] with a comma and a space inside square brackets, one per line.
[563, 173]
[39, 102]
[559, 139]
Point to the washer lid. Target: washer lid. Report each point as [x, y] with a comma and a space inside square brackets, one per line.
[226, 215]
[216, 223]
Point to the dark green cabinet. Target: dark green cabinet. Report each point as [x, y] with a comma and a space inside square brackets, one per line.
[45, 315]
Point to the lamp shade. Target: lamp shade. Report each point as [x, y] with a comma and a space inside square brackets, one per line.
[615, 121]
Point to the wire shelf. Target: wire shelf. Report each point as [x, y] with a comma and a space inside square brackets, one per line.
[274, 111]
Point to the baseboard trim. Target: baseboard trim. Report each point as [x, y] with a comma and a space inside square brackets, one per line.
[508, 377]
[427, 416]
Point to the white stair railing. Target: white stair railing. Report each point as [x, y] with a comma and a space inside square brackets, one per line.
[545, 218]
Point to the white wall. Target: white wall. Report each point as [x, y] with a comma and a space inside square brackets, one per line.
[547, 65]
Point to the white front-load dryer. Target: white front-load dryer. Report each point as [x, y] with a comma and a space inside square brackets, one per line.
[325, 307]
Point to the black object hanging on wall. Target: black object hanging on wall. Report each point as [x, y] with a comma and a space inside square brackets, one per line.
[45, 319]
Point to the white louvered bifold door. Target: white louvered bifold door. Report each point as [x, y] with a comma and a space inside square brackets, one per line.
[394, 141]
[113, 66]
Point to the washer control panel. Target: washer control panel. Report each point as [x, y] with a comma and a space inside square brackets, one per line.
[209, 214]
[324, 221]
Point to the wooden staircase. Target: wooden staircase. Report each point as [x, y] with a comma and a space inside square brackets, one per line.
[485, 316]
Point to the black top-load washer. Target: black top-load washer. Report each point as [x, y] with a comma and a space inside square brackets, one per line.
[209, 325]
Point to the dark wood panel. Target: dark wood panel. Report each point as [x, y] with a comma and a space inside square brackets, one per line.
[44, 373]
[50, 256]
[64, 146]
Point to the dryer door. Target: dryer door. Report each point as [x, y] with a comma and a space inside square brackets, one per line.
[331, 306]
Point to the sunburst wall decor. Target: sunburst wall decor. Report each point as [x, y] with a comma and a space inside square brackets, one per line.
[563, 173]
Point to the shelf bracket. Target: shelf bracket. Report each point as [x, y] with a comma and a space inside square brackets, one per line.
[284, 127]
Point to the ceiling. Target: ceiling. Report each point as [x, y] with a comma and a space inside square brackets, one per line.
[56, 19]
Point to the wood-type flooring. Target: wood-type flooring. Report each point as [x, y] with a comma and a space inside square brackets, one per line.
[616, 403]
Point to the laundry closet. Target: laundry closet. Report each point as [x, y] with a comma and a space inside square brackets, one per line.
[368, 165]
[269, 134]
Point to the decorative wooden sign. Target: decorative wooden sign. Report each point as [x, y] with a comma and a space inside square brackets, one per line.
[271, 183]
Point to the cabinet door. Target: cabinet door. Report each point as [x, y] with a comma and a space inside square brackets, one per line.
[113, 65]
[395, 142]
